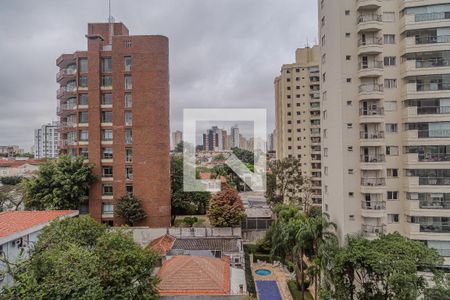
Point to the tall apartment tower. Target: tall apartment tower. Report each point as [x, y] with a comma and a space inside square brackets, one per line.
[385, 79]
[297, 109]
[235, 137]
[177, 137]
[46, 141]
[114, 111]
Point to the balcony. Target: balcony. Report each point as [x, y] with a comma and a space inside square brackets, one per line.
[373, 181]
[373, 230]
[369, 91]
[368, 4]
[373, 209]
[369, 23]
[433, 133]
[315, 95]
[67, 73]
[416, 90]
[370, 46]
[424, 21]
[372, 68]
[371, 114]
[425, 67]
[434, 180]
[425, 44]
[373, 159]
[66, 91]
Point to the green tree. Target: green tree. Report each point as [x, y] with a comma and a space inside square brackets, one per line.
[384, 268]
[11, 180]
[247, 157]
[129, 208]
[59, 184]
[78, 258]
[226, 208]
[185, 202]
[288, 180]
[179, 147]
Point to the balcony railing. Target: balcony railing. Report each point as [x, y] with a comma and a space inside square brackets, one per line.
[433, 133]
[370, 87]
[376, 158]
[433, 39]
[373, 205]
[373, 229]
[63, 72]
[372, 111]
[433, 157]
[365, 135]
[437, 228]
[434, 180]
[431, 63]
[433, 110]
[370, 42]
[369, 18]
[373, 181]
[376, 64]
[426, 87]
[431, 16]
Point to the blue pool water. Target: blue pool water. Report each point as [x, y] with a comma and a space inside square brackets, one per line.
[268, 290]
[263, 272]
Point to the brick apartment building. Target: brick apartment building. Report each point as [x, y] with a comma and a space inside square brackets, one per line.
[114, 111]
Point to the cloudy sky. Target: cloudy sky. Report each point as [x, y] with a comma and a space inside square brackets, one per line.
[223, 53]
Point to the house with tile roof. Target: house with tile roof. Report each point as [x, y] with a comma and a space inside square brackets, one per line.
[19, 230]
[21, 168]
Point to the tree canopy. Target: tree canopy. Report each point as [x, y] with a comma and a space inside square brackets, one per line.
[285, 182]
[62, 183]
[78, 258]
[226, 208]
[129, 208]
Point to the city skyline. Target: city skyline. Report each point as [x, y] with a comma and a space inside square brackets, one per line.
[197, 76]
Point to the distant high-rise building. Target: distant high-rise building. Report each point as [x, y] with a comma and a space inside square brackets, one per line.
[271, 141]
[213, 139]
[385, 82]
[177, 137]
[10, 151]
[297, 106]
[46, 141]
[235, 140]
[114, 111]
[226, 145]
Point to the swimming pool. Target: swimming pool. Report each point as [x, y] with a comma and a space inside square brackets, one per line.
[268, 290]
[263, 272]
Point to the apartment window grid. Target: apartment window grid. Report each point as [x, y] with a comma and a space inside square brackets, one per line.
[127, 63]
[107, 171]
[107, 189]
[107, 153]
[107, 135]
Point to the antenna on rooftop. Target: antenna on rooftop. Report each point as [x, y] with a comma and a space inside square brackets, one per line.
[307, 42]
[110, 22]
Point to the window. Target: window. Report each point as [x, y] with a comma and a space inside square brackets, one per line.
[83, 117]
[129, 172]
[107, 189]
[392, 150]
[106, 65]
[323, 21]
[108, 209]
[288, 88]
[390, 83]
[351, 217]
[392, 218]
[83, 81]
[351, 194]
[390, 105]
[389, 61]
[83, 99]
[350, 148]
[348, 57]
[128, 155]
[84, 135]
[107, 99]
[128, 136]
[324, 78]
[388, 16]
[128, 100]
[107, 171]
[349, 80]
[325, 152]
[106, 81]
[349, 125]
[347, 12]
[391, 127]
[106, 116]
[127, 63]
[107, 153]
[128, 84]
[389, 38]
[392, 195]
[323, 40]
[325, 170]
[350, 171]
[289, 113]
[84, 152]
[128, 118]
[83, 65]
[129, 189]
[107, 135]
[347, 34]
[324, 58]
[349, 103]
[288, 80]
[392, 172]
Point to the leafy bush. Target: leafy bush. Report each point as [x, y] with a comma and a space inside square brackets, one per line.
[190, 221]
[11, 180]
[296, 292]
[129, 208]
[248, 270]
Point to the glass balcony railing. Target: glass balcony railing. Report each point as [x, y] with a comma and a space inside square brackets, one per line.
[437, 228]
[370, 65]
[369, 18]
[438, 86]
[373, 229]
[373, 205]
[372, 111]
[433, 157]
[370, 87]
[367, 135]
[433, 133]
[375, 158]
[370, 42]
[433, 110]
[433, 16]
[433, 39]
[431, 63]
[373, 181]
[434, 180]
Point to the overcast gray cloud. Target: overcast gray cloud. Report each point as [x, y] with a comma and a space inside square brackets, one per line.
[223, 53]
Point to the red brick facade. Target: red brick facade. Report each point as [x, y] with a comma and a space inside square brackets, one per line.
[150, 144]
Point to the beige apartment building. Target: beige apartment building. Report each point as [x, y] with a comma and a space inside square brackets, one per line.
[385, 84]
[297, 106]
